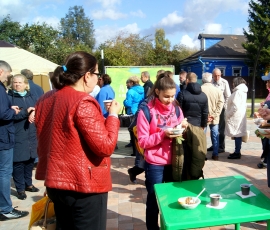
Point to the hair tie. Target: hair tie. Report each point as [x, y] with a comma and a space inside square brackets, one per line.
[64, 68]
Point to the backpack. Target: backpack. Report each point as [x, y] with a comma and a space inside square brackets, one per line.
[147, 115]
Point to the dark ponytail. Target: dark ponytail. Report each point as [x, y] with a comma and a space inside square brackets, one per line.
[76, 65]
[163, 82]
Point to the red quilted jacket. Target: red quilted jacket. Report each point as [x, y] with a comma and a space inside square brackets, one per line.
[74, 142]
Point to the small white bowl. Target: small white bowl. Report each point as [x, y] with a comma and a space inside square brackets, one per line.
[264, 131]
[258, 121]
[176, 131]
[182, 202]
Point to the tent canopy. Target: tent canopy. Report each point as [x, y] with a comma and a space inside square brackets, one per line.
[20, 59]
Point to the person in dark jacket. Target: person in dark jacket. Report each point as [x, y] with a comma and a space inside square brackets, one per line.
[7, 113]
[34, 88]
[25, 149]
[182, 79]
[148, 84]
[194, 104]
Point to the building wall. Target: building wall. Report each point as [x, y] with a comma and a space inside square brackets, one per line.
[228, 65]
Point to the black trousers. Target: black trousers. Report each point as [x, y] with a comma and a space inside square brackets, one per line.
[79, 211]
[221, 129]
[22, 174]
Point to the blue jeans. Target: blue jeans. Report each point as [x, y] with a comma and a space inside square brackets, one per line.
[238, 144]
[154, 174]
[6, 161]
[214, 138]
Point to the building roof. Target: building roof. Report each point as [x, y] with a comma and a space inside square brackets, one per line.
[229, 47]
[6, 44]
[20, 59]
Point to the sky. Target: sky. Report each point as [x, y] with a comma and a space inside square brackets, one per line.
[182, 20]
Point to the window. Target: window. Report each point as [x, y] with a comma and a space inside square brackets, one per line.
[222, 69]
[236, 71]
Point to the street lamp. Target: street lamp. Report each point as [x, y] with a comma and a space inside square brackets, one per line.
[102, 62]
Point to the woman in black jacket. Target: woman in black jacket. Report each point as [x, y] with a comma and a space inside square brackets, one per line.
[25, 149]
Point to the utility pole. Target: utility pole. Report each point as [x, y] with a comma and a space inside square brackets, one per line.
[102, 61]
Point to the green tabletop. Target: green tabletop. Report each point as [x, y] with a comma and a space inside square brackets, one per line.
[237, 210]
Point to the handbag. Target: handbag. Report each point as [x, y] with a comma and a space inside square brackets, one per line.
[125, 120]
[244, 138]
[45, 223]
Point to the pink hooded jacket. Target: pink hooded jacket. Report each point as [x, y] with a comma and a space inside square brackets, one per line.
[151, 137]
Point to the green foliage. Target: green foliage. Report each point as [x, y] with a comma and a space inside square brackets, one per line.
[9, 30]
[259, 26]
[160, 41]
[126, 50]
[77, 28]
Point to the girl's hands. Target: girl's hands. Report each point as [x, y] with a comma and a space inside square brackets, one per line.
[184, 123]
[170, 134]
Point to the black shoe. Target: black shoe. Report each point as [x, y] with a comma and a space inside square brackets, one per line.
[116, 147]
[128, 145]
[14, 214]
[234, 156]
[32, 189]
[133, 154]
[261, 165]
[221, 150]
[132, 177]
[215, 158]
[22, 195]
[210, 148]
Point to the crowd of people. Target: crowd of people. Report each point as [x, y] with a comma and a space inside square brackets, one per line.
[72, 133]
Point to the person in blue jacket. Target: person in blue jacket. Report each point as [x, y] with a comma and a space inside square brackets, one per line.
[25, 149]
[134, 96]
[106, 92]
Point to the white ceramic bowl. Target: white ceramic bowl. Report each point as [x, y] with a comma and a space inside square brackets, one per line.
[264, 131]
[176, 131]
[258, 121]
[182, 202]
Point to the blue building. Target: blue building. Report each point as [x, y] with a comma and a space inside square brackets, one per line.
[226, 53]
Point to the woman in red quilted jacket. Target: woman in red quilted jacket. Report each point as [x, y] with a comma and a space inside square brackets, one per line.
[75, 143]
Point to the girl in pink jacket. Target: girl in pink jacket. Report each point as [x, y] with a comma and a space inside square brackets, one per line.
[156, 140]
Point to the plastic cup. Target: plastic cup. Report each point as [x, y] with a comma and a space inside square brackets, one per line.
[214, 199]
[245, 189]
[107, 104]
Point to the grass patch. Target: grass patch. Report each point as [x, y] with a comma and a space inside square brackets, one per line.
[257, 100]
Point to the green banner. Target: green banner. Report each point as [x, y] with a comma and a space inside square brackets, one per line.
[120, 74]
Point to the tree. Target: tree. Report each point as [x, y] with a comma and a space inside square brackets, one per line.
[259, 26]
[9, 30]
[77, 28]
[160, 41]
[38, 39]
[126, 49]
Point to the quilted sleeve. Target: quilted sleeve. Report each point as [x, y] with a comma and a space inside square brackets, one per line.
[99, 134]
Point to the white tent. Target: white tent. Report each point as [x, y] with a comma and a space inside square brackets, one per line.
[20, 59]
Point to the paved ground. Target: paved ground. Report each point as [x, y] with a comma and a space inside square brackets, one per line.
[126, 205]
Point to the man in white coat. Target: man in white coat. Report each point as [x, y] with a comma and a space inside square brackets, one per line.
[236, 121]
[215, 106]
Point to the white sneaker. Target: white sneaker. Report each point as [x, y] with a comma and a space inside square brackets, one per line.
[14, 214]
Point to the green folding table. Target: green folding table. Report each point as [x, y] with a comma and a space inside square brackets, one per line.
[237, 210]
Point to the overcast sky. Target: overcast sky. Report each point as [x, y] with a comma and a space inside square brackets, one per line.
[182, 20]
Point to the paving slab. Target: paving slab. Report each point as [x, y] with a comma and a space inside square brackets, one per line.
[126, 202]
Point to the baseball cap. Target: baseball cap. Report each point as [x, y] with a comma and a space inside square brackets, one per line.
[266, 77]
